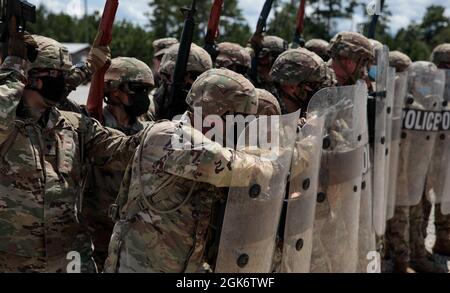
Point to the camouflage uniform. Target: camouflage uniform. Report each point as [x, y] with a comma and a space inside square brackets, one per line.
[199, 61]
[42, 164]
[234, 57]
[81, 73]
[320, 47]
[103, 185]
[305, 69]
[353, 46]
[168, 199]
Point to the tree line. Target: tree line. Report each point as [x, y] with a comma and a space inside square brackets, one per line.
[165, 20]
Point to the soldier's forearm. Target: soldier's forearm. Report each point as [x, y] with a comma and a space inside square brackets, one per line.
[78, 75]
[12, 79]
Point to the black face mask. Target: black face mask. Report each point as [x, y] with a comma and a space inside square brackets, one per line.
[53, 89]
[140, 102]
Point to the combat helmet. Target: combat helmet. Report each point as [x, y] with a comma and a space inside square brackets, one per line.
[353, 46]
[199, 60]
[399, 61]
[301, 65]
[125, 70]
[161, 46]
[273, 45]
[222, 91]
[441, 54]
[231, 53]
[52, 55]
[320, 47]
[267, 103]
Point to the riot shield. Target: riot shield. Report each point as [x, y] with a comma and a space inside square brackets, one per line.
[442, 187]
[366, 233]
[421, 118]
[379, 141]
[302, 195]
[252, 213]
[401, 82]
[335, 237]
[441, 153]
[389, 143]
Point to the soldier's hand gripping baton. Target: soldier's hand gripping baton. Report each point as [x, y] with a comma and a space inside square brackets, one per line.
[24, 12]
[96, 91]
[299, 41]
[177, 105]
[213, 29]
[256, 39]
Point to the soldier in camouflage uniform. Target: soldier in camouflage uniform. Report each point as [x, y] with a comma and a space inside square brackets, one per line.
[43, 154]
[128, 82]
[199, 61]
[166, 205]
[406, 232]
[233, 57]
[298, 74]
[160, 47]
[440, 57]
[320, 47]
[397, 233]
[351, 53]
[271, 48]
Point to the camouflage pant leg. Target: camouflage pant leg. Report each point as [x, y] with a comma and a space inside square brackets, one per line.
[397, 235]
[10, 263]
[417, 237]
[442, 223]
[20, 264]
[427, 207]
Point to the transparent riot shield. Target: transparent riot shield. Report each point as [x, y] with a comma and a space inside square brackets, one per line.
[379, 141]
[401, 82]
[389, 144]
[302, 196]
[443, 185]
[252, 212]
[441, 153]
[335, 244]
[366, 233]
[421, 119]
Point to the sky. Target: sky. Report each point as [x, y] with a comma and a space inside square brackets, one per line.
[403, 11]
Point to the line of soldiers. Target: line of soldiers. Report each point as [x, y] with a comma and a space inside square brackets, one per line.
[356, 173]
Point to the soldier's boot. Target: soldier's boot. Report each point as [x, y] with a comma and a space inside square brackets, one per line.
[402, 267]
[442, 245]
[442, 222]
[425, 265]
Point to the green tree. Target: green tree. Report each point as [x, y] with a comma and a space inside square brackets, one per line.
[128, 40]
[317, 25]
[166, 20]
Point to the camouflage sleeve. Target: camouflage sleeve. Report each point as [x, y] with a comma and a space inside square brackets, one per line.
[12, 79]
[77, 76]
[109, 148]
[200, 159]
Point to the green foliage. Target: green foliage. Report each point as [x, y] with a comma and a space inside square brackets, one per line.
[166, 20]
